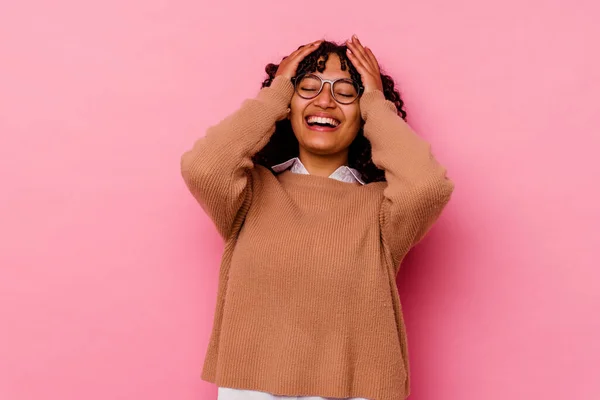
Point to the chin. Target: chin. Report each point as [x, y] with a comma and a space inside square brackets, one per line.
[320, 151]
[320, 147]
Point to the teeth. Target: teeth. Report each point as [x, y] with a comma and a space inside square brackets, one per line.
[323, 120]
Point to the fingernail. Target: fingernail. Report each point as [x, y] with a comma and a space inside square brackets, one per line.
[354, 37]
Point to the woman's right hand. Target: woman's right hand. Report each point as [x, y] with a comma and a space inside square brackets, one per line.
[289, 64]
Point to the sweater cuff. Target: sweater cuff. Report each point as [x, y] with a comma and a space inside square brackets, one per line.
[373, 101]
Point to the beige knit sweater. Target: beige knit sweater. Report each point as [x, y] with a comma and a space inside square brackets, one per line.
[307, 299]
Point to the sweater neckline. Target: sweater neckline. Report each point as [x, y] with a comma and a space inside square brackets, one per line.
[316, 182]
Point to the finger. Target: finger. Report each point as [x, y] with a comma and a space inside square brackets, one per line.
[297, 51]
[358, 64]
[373, 66]
[300, 49]
[295, 58]
[359, 52]
[303, 51]
[312, 46]
[358, 56]
[372, 58]
[357, 49]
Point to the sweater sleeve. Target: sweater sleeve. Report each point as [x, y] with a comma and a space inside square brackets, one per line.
[217, 168]
[417, 187]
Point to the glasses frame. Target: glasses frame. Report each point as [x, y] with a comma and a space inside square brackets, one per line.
[298, 78]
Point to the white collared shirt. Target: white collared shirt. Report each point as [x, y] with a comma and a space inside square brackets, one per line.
[343, 173]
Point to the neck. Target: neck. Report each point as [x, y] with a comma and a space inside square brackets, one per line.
[322, 165]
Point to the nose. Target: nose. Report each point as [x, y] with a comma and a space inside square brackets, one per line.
[324, 99]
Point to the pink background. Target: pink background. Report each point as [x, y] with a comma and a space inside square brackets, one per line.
[108, 269]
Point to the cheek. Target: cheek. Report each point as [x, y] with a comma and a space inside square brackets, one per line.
[297, 126]
[353, 119]
[295, 108]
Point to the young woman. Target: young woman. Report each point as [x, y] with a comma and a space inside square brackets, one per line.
[319, 189]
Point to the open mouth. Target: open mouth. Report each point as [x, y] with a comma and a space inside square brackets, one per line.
[323, 122]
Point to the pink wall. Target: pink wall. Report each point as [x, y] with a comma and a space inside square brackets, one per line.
[108, 268]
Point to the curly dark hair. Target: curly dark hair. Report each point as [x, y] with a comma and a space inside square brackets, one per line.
[283, 145]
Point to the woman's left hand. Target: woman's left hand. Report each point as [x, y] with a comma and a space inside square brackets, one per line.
[366, 65]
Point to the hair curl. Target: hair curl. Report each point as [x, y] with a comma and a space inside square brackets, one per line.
[283, 144]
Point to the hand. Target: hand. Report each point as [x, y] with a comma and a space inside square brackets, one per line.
[366, 65]
[289, 64]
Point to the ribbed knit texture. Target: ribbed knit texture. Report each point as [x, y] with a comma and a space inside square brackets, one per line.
[307, 299]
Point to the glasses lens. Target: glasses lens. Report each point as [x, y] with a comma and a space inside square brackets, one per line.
[345, 91]
[308, 87]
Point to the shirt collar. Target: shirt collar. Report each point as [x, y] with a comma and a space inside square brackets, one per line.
[343, 173]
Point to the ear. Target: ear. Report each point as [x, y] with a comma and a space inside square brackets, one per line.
[289, 111]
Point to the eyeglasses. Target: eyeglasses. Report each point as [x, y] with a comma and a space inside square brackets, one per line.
[343, 90]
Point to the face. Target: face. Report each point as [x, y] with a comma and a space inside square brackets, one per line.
[322, 140]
